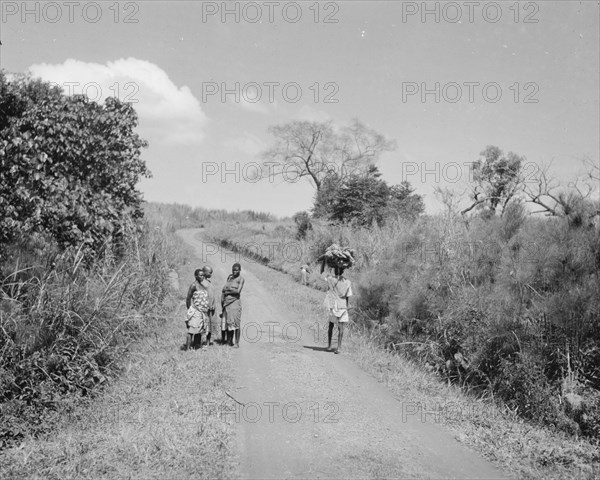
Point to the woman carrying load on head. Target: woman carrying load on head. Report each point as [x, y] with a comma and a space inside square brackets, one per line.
[339, 290]
[336, 300]
[232, 306]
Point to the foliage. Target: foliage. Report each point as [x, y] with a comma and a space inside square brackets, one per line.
[302, 220]
[326, 195]
[366, 199]
[496, 180]
[404, 203]
[68, 166]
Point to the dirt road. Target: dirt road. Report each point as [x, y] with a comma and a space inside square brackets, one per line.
[301, 412]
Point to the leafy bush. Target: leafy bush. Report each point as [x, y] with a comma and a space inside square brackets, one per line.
[373, 297]
[364, 199]
[69, 166]
[303, 224]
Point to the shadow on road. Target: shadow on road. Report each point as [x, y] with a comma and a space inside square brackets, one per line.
[317, 349]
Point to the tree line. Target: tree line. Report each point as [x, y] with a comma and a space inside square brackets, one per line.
[340, 162]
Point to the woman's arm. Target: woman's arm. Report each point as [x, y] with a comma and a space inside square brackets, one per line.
[237, 290]
[348, 295]
[190, 294]
[224, 291]
[241, 285]
[212, 301]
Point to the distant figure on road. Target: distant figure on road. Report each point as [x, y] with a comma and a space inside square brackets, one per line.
[304, 271]
[198, 307]
[232, 306]
[336, 300]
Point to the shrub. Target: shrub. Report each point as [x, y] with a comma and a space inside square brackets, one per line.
[68, 166]
[373, 294]
[523, 387]
[303, 224]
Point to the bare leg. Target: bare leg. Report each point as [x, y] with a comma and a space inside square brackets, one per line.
[237, 337]
[340, 336]
[329, 335]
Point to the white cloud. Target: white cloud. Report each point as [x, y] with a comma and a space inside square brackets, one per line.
[168, 115]
[254, 98]
[249, 144]
[312, 114]
[255, 107]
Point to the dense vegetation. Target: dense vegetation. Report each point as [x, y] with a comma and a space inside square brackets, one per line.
[69, 166]
[81, 272]
[365, 199]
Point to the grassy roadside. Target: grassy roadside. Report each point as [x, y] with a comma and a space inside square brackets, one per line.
[521, 449]
[150, 423]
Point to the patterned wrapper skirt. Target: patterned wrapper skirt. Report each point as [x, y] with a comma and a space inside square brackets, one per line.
[196, 321]
[232, 316]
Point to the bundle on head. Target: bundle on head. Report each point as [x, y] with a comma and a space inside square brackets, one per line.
[336, 256]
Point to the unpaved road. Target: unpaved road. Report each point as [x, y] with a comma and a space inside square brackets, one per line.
[306, 413]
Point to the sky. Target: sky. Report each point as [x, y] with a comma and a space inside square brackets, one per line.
[208, 79]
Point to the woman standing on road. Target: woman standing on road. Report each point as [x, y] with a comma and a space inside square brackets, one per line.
[199, 305]
[336, 301]
[232, 306]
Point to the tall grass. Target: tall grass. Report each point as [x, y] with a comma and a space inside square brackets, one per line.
[66, 317]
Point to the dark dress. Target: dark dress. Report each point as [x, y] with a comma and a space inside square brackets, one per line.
[232, 304]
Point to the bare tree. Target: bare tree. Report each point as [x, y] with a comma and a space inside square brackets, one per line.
[317, 149]
[573, 201]
[593, 170]
[449, 198]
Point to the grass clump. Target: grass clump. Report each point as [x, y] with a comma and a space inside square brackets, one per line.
[66, 317]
